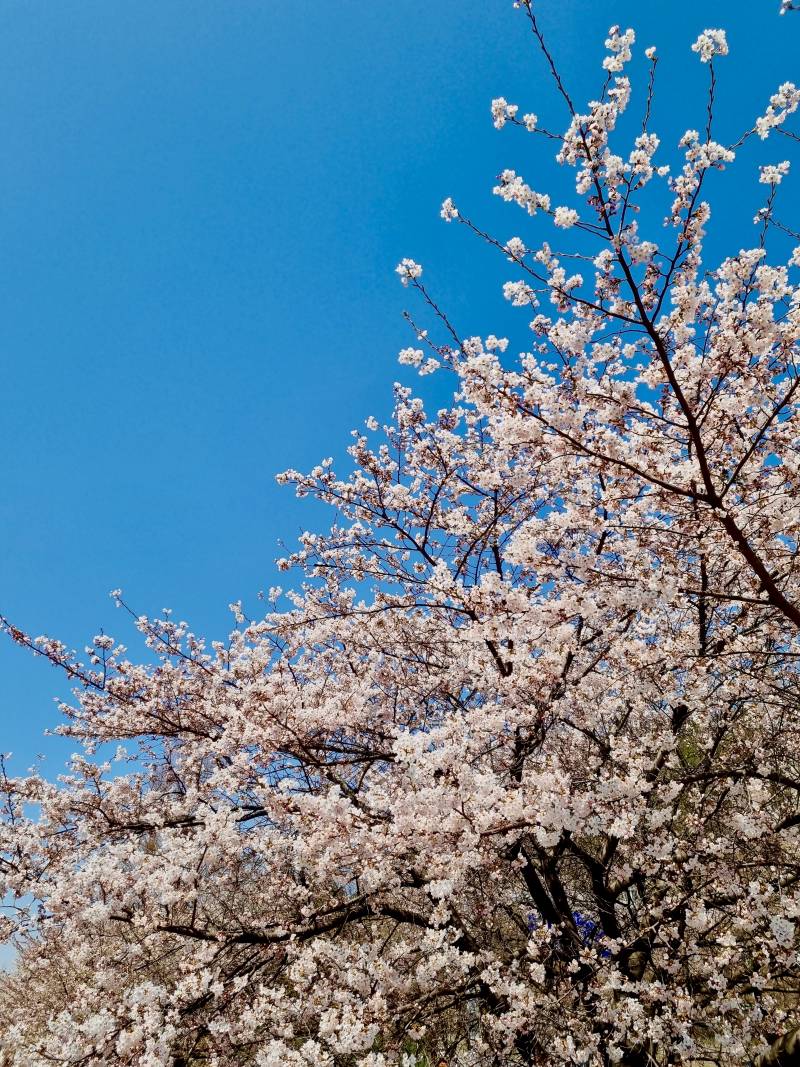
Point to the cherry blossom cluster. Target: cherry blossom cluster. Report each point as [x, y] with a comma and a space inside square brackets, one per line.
[510, 776]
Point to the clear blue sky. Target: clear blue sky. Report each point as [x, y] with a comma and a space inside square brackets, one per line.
[201, 206]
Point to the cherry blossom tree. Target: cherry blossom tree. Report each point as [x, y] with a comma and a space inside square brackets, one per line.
[513, 775]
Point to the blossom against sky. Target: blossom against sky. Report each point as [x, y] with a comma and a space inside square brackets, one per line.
[202, 208]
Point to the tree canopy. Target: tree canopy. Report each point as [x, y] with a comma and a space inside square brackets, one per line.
[513, 775]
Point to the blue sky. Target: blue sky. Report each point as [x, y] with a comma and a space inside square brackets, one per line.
[201, 206]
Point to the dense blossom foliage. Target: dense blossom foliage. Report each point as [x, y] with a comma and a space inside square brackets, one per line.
[514, 776]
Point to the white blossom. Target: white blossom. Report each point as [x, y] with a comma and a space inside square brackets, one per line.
[449, 210]
[408, 270]
[502, 111]
[565, 217]
[782, 930]
[773, 174]
[711, 43]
